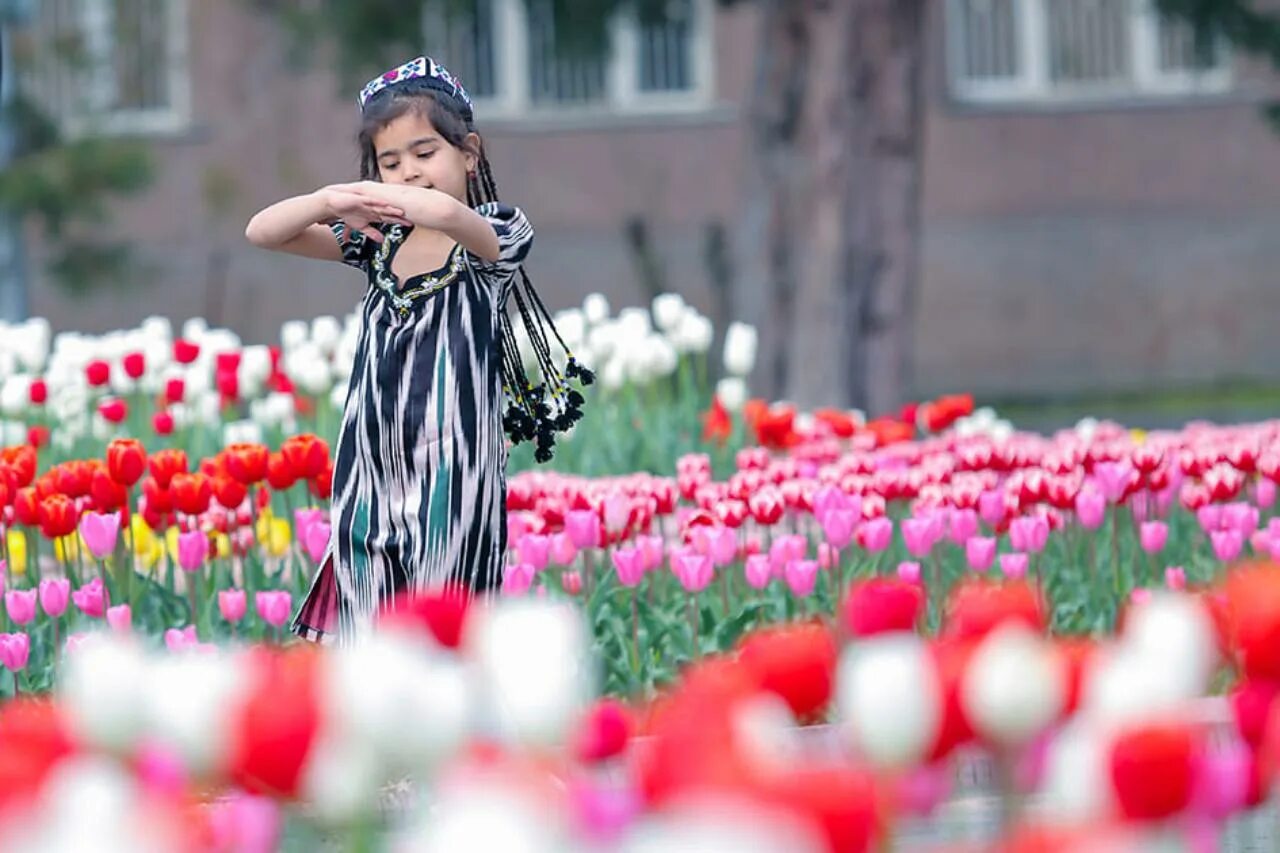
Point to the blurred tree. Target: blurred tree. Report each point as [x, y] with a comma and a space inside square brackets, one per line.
[58, 183]
[833, 198]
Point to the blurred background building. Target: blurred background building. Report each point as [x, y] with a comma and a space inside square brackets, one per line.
[1100, 208]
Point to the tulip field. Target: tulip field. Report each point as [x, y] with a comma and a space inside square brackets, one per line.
[698, 589]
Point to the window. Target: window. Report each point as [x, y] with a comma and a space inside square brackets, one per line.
[506, 54]
[1065, 50]
[112, 65]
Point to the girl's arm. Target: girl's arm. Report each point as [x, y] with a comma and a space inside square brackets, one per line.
[300, 225]
[429, 208]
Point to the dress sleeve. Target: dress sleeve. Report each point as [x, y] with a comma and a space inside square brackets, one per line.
[357, 249]
[515, 237]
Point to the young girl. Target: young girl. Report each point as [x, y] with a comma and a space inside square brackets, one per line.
[419, 479]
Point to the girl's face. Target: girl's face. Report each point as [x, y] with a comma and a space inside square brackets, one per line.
[411, 151]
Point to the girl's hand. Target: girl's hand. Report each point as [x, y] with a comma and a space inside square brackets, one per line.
[359, 209]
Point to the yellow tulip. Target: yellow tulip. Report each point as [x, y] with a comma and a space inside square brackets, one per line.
[278, 538]
[221, 544]
[1138, 435]
[68, 548]
[17, 551]
[144, 542]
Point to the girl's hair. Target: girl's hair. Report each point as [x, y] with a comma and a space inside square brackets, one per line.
[534, 412]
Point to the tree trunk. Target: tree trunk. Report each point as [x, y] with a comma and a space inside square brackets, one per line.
[884, 98]
[777, 102]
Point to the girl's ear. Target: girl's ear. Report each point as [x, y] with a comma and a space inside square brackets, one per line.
[471, 145]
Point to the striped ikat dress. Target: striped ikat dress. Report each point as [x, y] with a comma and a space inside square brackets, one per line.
[419, 474]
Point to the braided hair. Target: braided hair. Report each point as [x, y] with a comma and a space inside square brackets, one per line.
[534, 411]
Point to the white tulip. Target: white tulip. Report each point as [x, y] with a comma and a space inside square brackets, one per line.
[196, 379]
[740, 342]
[8, 364]
[572, 326]
[889, 698]
[694, 333]
[208, 407]
[314, 378]
[596, 308]
[634, 323]
[486, 815]
[1014, 686]
[338, 395]
[255, 366]
[293, 334]
[103, 691]
[731, 391]
[719, 824]
[157, 328]
[661, 357]
[341, 780]
[604, 339]
[325, 333]
[1076, 788]
[194, 329]
[1174, 633]
[15, 432]
[15, 394]
[668, 311]
[186, 705]
[30, 342]
[530, 659]
[241, 432]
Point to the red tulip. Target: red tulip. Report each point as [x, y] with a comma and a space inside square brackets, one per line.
[185, 352]
[230, 493]
[880, 605]
[73, 478]
[26, 506]
[58, 516]
[603, 732]
[322, 486]
[38, 436]
[175, 390]
[135, 364]
[247, 462]
[113, 410]
[271, 739]
[126, 461]
[977, 606]
[954, 729]
[1152, 770]
[796, 662]
[306, 455]
[108, 495]
[1252, 615]
[166, 463]
[717, 425]
[191, 493]
[157, 498]
[22, 460]
[38, 392]
[162, 423]
[34, 739]
[440, 615]
[98, 373]
[280, 474]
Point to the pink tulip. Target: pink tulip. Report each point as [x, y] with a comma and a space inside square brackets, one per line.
[518, 524]
[801, 576]
[1140, 596]
[583, 527]
[91, 598]
[75, 641]
[120, 618]
[875, 535]
[563, 551]
[1264, 494]
[534, 549]
[980, 551]
[274, 607]
[1091, 508]
[1240, 516]
[758, 571]
[55, 595]
[964, 525]
[572, 582]
[1210, 517]
[831, 498]
[1029, 533]
[1175, 578]
[1222, 781]
[232, 604]
[654, 549]
[827, 556]
[517, 578]
[991, 507]
[15, 651]
[160, 769]
[629, 564]
[1013, 566]
[1227, 544]
[694, 571]
[1261, 542]
[20, 604]
[1114, 479]
[1152, 535]
[100, 531]
[303, 519]
[317, 540]
[617, 512]
[193, 548]
[785, 549]
[918, 534]
[909, 572]
[922, 790]
[838, 526]
[179, 639]
[724, 545]
[246, 824]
